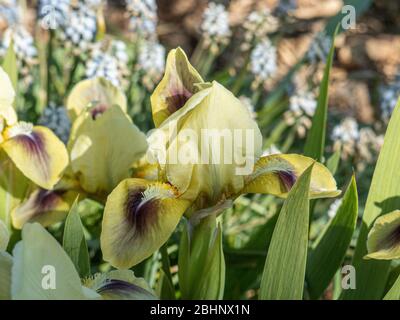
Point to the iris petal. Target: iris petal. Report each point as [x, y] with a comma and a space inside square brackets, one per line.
[176, 87]
[139, 217]
[276, 174]
[44, 206]
[384, 238]
[103, 149]
[7, 95]
[38, 153]
[121, 285]
[97, 92]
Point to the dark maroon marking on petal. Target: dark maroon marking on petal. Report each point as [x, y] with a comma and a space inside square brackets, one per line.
[46, 200]
[35, 147]
[141, 214]
[177, 98]
[98, 110]
[120, 287]
[392, 240]
[288, 178]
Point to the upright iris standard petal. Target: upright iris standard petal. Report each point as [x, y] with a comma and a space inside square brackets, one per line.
[43, 206]
[120, 285]
[103, 149]
[7, 96]
[42, 270]
[176, 87]
[139, 217]
[97, 92]
[37, 152]
[276, 174]
[384, 238]
[216, 146]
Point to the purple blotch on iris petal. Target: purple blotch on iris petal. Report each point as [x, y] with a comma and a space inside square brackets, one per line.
[177, 97]
[140, 214]
[392, 240]
[123, 288]
[34, 144]
[98, 110]
[288, 178]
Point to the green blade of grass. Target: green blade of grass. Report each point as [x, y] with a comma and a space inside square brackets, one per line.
[383, 197]
[330, 249]
[74, 242]
[285, 266]
[315, 143]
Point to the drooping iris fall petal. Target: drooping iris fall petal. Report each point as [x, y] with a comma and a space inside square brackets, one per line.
[176, 87]
[276, 174]
[43, 206]
[37, 152]
[97, 93]
[120, 285]
[384, 238]
[139, 217]
[103, 148]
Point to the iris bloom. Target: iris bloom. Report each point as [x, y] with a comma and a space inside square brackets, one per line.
[384, 238]
[140, 215]
[29, 273]
[103, 145]
[35, 150]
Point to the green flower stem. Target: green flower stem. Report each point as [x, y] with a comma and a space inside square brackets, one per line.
[49, 65]
[237, 85]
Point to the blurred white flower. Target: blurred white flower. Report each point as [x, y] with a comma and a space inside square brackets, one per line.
[103, 65]
[263, 61]
[345, 136]
[151, 61]
[319, 48]
[108, 59]
[80, 30]
[9, 11]
[143, 18]
[53, 13]
[303, 102]
[389, 94]
[56, 119]
[346, 131]
[302, 107]
[24, 47]
[215, 26]
[334, 207]
[257, 26]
